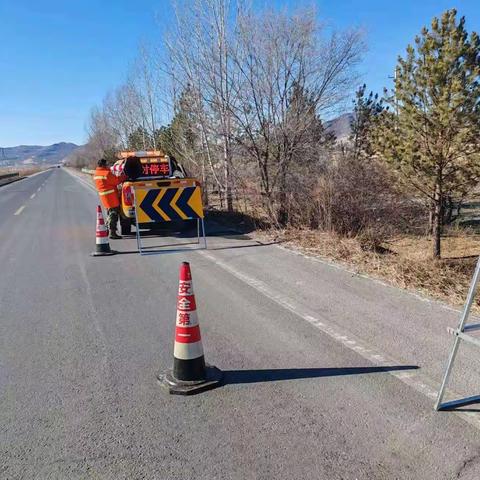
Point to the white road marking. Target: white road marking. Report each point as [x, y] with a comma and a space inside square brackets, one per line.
[39, 188]
[38, 173]
[20, 210]
[32, 195]
[348, 269]
[80, 179]
[413, 378]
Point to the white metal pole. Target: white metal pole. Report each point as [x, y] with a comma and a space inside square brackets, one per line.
[461, 325]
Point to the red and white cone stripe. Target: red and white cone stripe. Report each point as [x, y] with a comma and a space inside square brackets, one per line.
[188, 341]
[101, 232]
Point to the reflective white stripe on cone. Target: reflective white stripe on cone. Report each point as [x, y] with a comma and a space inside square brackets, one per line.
[188, 341]
[190, 374]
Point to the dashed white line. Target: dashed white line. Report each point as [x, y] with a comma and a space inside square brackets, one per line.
[32, 195]
[39, 188]
[20, 210]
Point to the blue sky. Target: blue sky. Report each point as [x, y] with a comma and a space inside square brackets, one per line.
[58, 58]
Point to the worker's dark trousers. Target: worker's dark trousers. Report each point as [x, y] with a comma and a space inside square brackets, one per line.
[112, 219]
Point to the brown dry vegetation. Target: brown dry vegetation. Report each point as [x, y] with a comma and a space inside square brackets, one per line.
[23, 171]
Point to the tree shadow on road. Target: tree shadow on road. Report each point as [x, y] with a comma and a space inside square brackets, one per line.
[232, 377]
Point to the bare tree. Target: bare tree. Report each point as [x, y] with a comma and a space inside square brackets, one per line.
[111, 125]
[102, 139]
[146, 79]
[288, 75]
[199, 48]
[123, 109]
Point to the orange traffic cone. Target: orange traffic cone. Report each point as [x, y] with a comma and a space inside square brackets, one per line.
[102, 247]
[190, 374]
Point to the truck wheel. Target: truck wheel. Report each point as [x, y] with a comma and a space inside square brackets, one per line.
[125, 226]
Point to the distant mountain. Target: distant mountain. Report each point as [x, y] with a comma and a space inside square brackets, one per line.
[35, 154]
[340, 126]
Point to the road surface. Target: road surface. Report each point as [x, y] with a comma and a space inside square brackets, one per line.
[328, 375]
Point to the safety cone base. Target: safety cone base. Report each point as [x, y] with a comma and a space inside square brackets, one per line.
[213, 379]
[103, 254]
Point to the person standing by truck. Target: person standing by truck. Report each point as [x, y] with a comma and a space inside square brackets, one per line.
[106, 183]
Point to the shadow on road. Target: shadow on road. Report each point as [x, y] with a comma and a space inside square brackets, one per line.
[163, 248]
[231, 377]
[472, 410]
[235, 221]
[255, 245]
[459, 405]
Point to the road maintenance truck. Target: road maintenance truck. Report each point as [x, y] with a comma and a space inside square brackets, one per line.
[154, 170]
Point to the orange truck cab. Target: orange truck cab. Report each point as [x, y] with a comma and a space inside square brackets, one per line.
[158, 169]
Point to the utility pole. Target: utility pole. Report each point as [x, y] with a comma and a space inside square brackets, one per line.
[394, 78]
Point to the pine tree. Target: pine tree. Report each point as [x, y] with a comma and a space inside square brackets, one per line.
[180, 138]
[431, 134]
[139, 139]
[365, 110]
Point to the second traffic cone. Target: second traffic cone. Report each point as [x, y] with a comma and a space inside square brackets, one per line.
[190, 374]
[102, 246]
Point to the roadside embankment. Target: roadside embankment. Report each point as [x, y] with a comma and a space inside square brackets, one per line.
[7, 178]
[10, 175]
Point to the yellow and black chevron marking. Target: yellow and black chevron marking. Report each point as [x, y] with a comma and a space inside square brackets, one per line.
[167, 204]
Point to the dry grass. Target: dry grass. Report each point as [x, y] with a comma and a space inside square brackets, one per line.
[404, 262]
[23, 171]
[29, 171]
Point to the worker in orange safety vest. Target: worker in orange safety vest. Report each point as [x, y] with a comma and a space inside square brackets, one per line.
[107, 184]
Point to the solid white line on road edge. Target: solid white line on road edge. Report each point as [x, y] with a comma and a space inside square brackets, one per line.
[20, 210]
[81, 180]
[418, 382]
[348, 269]
[38, 173]
[32, 195]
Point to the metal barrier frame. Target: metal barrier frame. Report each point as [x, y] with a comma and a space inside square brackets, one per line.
[460, 334]
[141, 249]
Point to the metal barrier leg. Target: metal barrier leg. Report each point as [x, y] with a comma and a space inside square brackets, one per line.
[139, 241]
[461, 326]
[448, 370]
[204, 234]
[137, 228]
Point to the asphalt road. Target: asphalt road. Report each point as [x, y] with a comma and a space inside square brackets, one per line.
[328, 375]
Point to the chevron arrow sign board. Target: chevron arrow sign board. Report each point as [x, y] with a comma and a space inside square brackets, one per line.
[156, 205]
